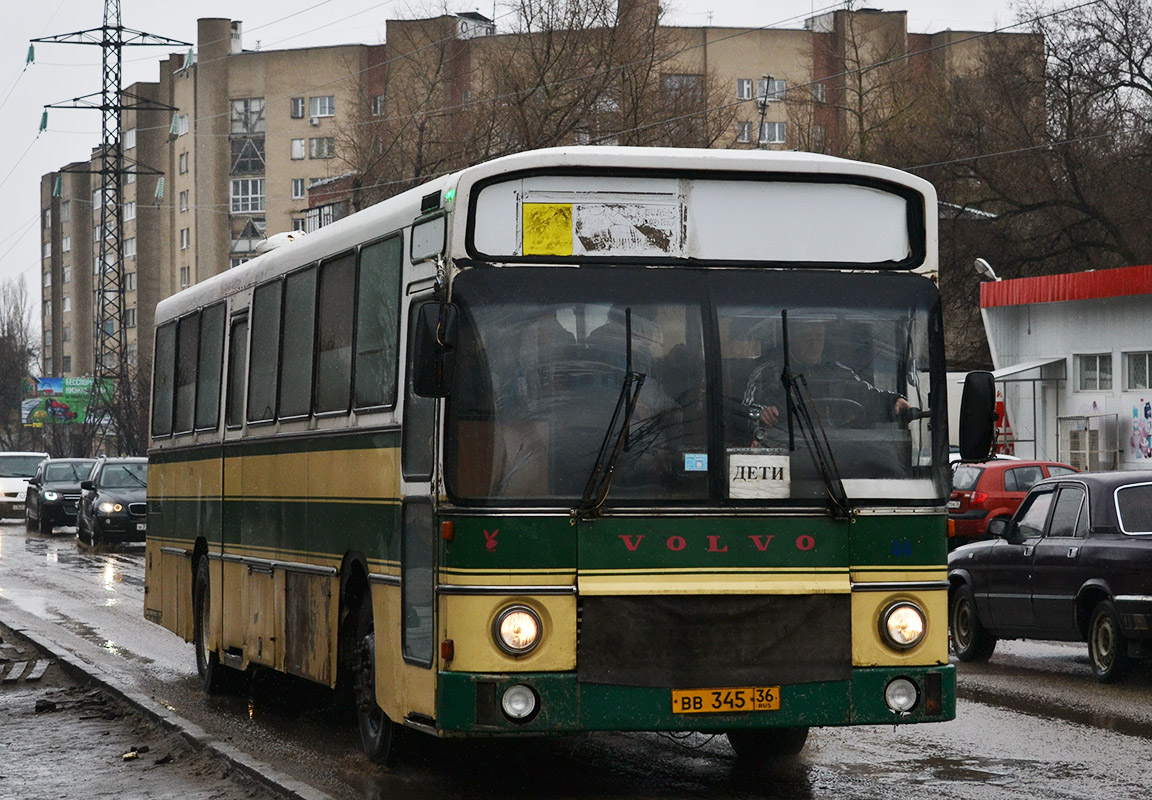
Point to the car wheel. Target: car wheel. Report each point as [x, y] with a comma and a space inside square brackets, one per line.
[970, 640]
[1107, 646]
[29, 525]
[379, 735]
[767, 744]
[45, 524]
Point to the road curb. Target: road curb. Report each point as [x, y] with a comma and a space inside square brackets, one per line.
[259, 771]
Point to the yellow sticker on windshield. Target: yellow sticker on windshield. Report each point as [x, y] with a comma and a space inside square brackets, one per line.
[547, 229]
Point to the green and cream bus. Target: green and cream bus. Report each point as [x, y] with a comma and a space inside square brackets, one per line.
[487, 454]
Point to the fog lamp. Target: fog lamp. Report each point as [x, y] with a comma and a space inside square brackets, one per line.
[902, 625]
[519, 703]
[901, 695]
[517, 630]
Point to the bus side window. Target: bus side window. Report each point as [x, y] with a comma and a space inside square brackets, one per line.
[210, 367]
[187, 350]
[164, 379]
[264, 358]
[237, 356]
[296, 346]
[334, 334]
[378, 323]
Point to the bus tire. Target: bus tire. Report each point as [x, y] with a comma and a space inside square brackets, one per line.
[767, 743]
[212, 673]
[379, 735]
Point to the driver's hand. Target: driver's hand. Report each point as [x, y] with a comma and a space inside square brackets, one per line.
[770, 415]
[901, 406]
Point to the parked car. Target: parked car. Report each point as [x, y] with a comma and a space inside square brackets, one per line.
[16, 467]
[986, 490]
[1074, 563]
[53, 492]
[113, 501]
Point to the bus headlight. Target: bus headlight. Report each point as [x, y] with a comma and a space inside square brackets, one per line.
[517, 630]
[901, 695]
[519, 703]
[902, 625]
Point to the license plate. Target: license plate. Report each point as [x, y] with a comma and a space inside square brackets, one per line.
[953, 504]
[725, 701]
[141, 526]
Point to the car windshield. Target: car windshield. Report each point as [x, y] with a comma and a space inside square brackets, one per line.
[68, 472]
[124, 476]
[1134, 507]
[541, 362]
[19, 466]
[966, 478]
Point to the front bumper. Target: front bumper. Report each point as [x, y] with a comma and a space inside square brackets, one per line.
[59, 513]
[470, 703]
[120, 528]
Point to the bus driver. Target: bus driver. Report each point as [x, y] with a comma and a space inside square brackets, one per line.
[842, 395]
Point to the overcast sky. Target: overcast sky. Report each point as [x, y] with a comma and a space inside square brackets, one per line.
[61, 72]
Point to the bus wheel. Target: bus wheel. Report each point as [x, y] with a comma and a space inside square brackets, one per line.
[767, 743]
[212, 672]
[379, 735]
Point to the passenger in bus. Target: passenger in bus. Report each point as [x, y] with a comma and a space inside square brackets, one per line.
[842, 397]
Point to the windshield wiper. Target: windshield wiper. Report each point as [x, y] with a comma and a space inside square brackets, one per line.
[600, 480]
[802, 409]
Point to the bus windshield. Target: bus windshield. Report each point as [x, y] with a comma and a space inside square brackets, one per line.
[542, 357]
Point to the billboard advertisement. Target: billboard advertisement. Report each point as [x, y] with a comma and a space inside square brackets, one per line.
[53, 401]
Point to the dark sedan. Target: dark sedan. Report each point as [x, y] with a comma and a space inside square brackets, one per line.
[53, 492]
[113, 502]
[1074, 563]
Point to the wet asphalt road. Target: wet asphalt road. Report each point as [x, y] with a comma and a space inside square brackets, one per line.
[1032, 723]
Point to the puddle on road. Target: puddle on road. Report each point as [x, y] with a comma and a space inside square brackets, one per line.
[88, 633]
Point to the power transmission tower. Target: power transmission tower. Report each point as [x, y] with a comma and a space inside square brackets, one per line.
[111, 357]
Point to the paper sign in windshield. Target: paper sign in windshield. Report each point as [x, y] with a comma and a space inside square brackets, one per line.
[756, 476]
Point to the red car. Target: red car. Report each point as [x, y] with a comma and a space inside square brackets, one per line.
[986, 490]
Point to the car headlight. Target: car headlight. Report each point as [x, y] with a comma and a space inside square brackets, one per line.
[110, 508]
[903, 625]
[51, 495]
[517, 630]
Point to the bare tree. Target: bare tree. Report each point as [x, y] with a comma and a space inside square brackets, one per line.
[18, 350]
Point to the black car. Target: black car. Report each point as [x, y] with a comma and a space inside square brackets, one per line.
[113, 501]
[53, 492]
[1074, 563]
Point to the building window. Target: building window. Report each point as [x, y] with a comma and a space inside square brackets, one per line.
[299, 149]
[47, 218]
[297, 108]
[185, 238]
[129, 281]
[297, 188]
[66, 363]
[771, 133]
[378, 105]
[66, 211]
[129, 138]
[247, 115]
[67, 303]
[298, 223]
[247, 195]
[47, 249]
[743, 88]
[67, 274]
[47, 308]
[130, 210]
[819, 93]
[129, 318]
[130, 247]
[744, 132]
[185, 275]
[95, 235]
[183, 163]
[47, 279]
[1136, 365]
[236, 261]
[1095, 372]
[322, 147]
[65, 244]
[66, 334]
[819, 137]
[130, 173]
[247, 154]
[181, 124]
[771, 88]
[322, 106]
[184, 200]
[48, 338]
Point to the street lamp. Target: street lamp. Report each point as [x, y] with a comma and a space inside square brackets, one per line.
[985, 269]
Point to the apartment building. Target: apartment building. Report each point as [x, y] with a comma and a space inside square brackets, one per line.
[235, 145]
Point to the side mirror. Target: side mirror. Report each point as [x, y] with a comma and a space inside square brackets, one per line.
[88, 486]
[977, 416]
[998, 527]
[434, 349]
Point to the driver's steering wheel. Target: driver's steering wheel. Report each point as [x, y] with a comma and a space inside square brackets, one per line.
[838, 412]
